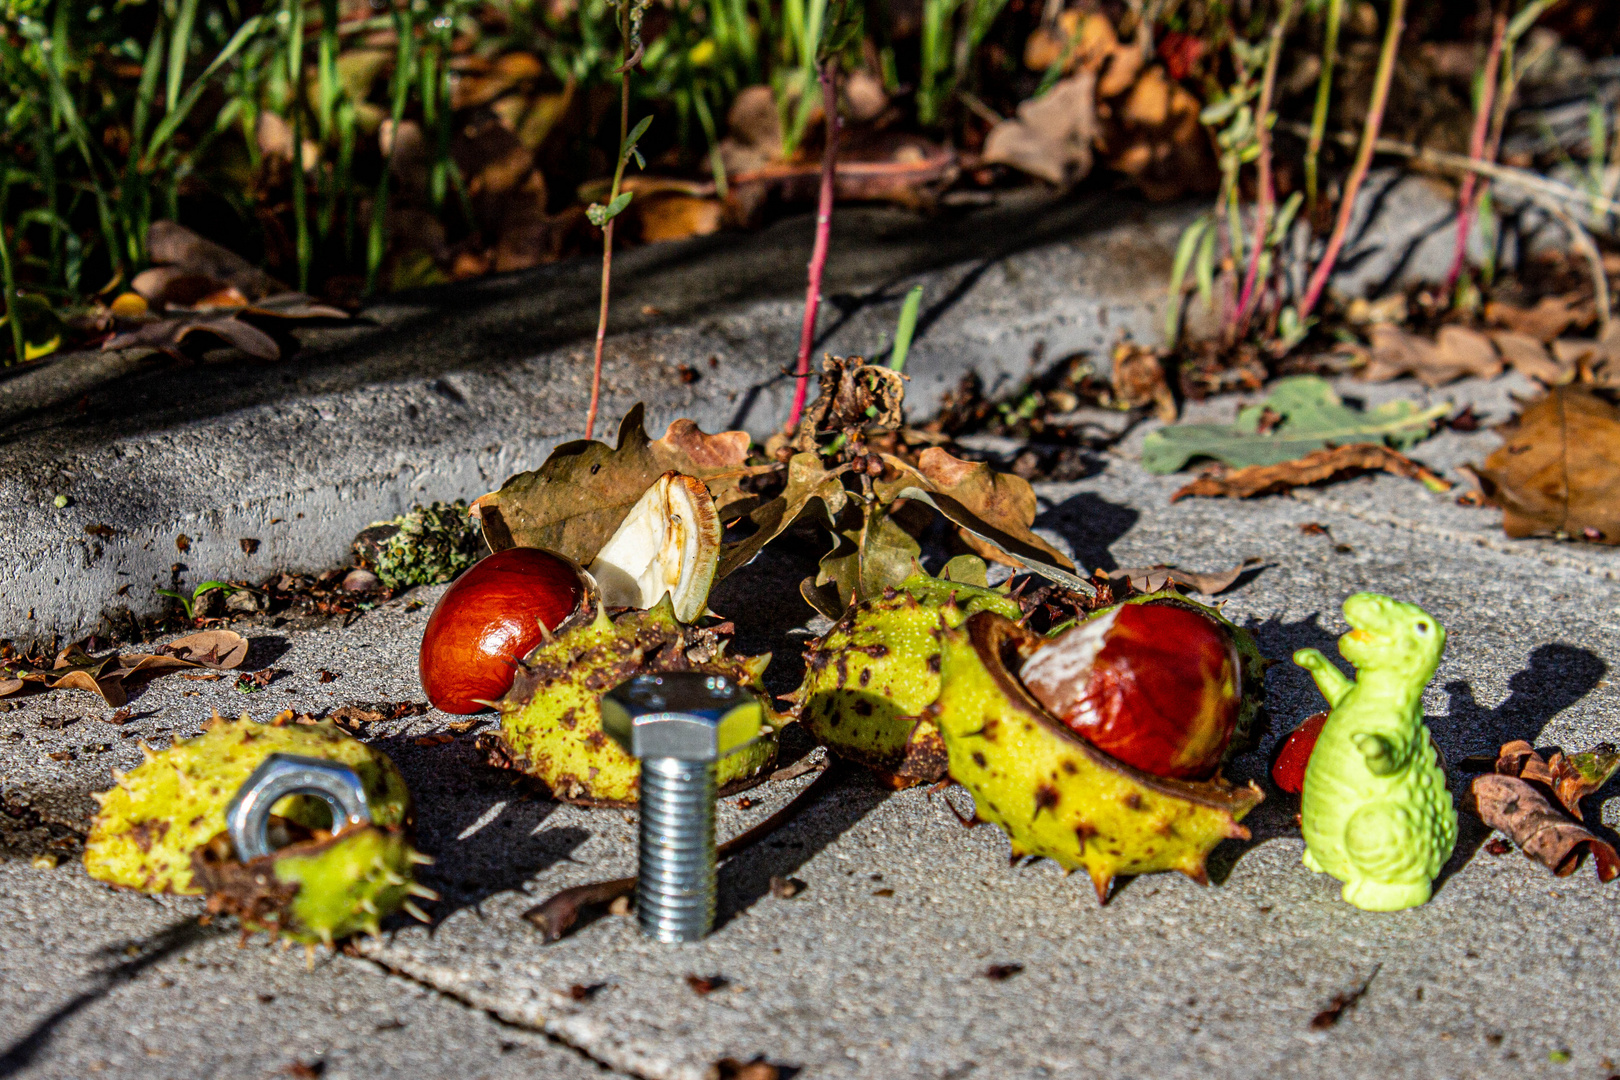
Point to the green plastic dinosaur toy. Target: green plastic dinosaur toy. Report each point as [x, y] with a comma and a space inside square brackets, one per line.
[1375, 810]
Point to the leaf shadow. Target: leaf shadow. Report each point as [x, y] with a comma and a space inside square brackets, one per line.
[1091, 525]
[172, 940]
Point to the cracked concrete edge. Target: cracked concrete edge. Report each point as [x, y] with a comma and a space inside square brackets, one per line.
[554, 1014]
[412, 411]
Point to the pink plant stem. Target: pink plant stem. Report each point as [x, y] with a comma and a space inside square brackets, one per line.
[1267, 192]
[828, 76]
[1364, 154]
[1476, 151]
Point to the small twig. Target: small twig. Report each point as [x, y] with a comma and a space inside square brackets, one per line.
[1476, 149]
[1266, 193]
[556, 915]
[1523, 179]
[828, 76]
[1358, 172]
[1343, 1003]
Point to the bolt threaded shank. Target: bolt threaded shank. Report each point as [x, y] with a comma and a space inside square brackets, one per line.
[675, 888]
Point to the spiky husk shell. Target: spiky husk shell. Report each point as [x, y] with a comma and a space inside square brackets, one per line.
[869, 679]
[319, 891]
[1246, 731]
[551, 720]
[1054, 794]
[174, 802]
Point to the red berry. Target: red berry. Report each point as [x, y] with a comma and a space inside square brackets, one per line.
[489, 620]
[1289, 768]
[1157, 686]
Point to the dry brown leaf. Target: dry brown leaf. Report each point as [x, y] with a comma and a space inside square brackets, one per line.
[809, 481]
[573, 503]
[1092, 37]
[1320, 467]
[1051, 136]
[1514, 807]
[1558, 471]
[1154, 578]
[1456, 352]
[1526, 354]
[1596, 362]
[171, 244]
[1569, 777]
[1138, 380]
[1551, 316]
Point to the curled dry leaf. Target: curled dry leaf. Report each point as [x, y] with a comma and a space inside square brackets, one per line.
[1455, 352]
[1321, 467]
[582, 493]
[810, 484]
[1558, 471]
[1596, 362]
[1569, 777]
[1138, 380]
[1153, 578]
[1529, 357]
[1551, 316]
[1514, 806]
[74, 669]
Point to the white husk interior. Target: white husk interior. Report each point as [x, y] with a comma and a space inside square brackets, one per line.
[668, 543]
[1065, 663]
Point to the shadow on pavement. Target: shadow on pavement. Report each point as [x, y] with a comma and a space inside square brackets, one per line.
[172, 940]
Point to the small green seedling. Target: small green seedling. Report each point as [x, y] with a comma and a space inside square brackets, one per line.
[190, 602]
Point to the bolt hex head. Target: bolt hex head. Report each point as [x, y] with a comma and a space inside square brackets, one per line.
[686, 715]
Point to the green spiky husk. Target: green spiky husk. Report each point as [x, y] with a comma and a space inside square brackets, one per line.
[551, 719]
[173, 803]
[869, 679]
[316, 892]
[1054, 794]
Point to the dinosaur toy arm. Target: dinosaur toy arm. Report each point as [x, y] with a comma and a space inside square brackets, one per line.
[1329, 679]
[1382, 754]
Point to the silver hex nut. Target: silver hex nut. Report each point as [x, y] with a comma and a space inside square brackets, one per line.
[685, 715]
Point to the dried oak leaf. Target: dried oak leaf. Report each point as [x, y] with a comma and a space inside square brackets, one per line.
[74, 669]
[809, 484]
[1514, 807]
[1455, 352]
[1321, 467]
[1529, 357]
[1569, 777]
[1551, 316]
[1558, 470]
[1309, 416]
[1051, 136]
[1596, 362]
[1153, 578]
[992, 510]
[574, 501]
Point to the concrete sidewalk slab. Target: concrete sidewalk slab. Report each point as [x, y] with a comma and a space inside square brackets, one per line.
[878, 967]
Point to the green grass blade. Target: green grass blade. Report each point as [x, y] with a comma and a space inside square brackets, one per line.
[179, 49]
[177, 116]
[906, 328]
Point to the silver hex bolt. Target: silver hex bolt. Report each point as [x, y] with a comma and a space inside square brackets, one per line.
[679, 725]
[247, 817]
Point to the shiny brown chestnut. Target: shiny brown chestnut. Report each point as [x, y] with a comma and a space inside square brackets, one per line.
[490, 619]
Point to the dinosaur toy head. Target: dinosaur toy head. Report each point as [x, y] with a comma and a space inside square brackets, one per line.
[1389, 636]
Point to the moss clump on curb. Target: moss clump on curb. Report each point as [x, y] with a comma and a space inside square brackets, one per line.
[428, 546]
